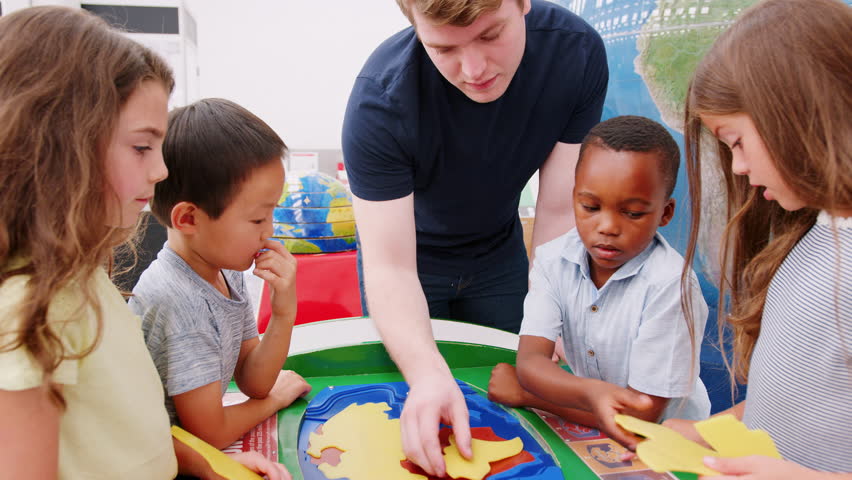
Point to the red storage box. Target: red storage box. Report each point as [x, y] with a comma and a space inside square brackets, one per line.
[326, 286]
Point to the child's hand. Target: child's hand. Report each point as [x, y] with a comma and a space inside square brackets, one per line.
[278, 268]
[757, 467]
[558, 356]
[606, 400]
[503, 387]
[259, 464]
[288, 387]
[687, 429]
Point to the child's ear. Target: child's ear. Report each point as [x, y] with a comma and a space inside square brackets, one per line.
[185, 217]
[668, 212]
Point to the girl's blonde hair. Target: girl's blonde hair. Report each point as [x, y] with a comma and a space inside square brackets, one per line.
[787, 64]
[64, 77]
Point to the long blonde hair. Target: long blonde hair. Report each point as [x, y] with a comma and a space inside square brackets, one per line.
[787, 64]
[64, 76]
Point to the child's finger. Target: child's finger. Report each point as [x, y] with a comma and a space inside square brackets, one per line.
[635, 400]
[277, 247]
[275, 261]
[264, 274]
[277, 268]
[617, 433]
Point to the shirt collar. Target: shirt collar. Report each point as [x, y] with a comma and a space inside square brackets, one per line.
[575, 252]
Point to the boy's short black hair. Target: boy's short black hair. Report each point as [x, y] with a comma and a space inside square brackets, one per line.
[211, 147]
[637, 134]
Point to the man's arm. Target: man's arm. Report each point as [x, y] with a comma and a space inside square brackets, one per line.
[554, 213]
[398, 307]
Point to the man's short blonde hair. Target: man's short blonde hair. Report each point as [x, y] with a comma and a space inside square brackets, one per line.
[460, 13]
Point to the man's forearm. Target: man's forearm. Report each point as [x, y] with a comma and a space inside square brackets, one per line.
[399, 310]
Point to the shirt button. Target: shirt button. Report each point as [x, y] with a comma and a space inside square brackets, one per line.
[591, 353]
[594, 308]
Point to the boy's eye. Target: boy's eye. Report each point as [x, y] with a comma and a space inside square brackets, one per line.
[257, 222]
[442, 50]
[141, 148]
[635, 215]
[590, 208]
[489, 38]
[736, 144]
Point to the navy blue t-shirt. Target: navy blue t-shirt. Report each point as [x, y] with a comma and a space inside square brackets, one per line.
[407, 129]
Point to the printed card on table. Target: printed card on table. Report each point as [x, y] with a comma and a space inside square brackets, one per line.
[262, 439]
[602, 455]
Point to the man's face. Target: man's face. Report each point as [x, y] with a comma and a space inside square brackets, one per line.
[481, 58]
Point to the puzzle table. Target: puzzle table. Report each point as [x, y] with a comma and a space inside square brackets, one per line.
[346, 363]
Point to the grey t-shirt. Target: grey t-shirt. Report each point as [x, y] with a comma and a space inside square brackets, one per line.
[194, 333]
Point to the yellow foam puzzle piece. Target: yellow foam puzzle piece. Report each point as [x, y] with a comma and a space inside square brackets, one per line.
[484, 452]
[668, 450]
[219, 462]
[731, 438]
[664, 449]
[370, 441]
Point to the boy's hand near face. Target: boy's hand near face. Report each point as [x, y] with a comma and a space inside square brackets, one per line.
[260, 362]
[277, 267]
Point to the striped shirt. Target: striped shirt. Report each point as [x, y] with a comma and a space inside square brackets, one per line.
[800, 385]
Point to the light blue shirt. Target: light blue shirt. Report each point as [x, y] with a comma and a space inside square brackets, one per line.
[631, 332]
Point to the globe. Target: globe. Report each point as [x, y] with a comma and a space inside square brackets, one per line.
[314, 214]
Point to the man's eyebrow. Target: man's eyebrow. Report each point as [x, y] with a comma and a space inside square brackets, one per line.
[485, 32]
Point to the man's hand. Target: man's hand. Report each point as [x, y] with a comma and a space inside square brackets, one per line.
[277, 267]
[432, 400]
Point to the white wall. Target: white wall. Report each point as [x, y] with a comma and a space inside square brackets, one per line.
[291, 62]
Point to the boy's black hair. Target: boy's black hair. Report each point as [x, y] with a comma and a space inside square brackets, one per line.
[632, 133]
[210, 148]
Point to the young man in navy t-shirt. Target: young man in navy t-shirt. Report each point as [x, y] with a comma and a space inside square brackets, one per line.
[446, 123]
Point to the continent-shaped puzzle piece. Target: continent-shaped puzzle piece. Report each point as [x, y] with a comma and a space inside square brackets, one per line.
[484, 452]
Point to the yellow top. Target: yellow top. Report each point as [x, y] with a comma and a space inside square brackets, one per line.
[115, 424]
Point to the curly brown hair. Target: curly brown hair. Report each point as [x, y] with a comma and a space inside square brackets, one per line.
[64, 77]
